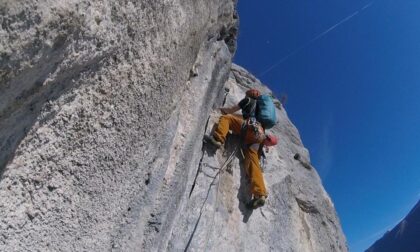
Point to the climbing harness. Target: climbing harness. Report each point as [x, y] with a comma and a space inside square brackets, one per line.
[251, 130]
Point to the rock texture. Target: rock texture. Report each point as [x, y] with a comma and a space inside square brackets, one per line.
[298, 216]
[103, 106]
[403, 237]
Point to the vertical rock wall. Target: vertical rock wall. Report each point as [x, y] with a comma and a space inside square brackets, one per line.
[103, 106]
[89, 104]
[298, 215]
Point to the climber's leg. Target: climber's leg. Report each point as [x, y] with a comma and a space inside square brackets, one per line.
[253, 171]
[226, 123]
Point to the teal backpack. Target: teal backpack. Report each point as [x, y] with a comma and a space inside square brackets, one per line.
[266, 111]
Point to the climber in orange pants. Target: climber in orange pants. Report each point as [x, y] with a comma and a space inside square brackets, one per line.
[252, 161]
[253, 139]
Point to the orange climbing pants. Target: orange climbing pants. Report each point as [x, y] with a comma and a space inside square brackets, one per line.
[252, 160]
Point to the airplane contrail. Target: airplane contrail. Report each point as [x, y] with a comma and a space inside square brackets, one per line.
[367, 5]
[316, 38]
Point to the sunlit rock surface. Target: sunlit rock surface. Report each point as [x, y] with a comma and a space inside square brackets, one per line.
[103, 106]
[298, 215]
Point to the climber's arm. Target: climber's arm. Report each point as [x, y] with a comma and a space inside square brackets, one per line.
[230, 110]
[241, 105]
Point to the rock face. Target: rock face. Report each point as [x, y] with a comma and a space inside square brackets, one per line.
[298, 215]
[103, 106]
[403, 237]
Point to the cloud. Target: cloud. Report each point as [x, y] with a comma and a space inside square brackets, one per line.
[326, 149]
[374, 236]
[370, 239]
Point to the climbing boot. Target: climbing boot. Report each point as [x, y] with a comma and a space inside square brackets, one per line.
[256, 202]
[212, 140]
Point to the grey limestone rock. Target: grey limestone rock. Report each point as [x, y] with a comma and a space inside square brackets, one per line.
[103, 106]
[298, 215]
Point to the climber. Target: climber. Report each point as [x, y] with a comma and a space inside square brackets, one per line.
[253, 139]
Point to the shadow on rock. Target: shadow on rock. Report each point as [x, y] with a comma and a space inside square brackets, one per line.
[209, 148]
[20, 112]
[243, 195]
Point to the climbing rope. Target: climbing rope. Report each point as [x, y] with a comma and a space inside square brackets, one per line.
[224, 166]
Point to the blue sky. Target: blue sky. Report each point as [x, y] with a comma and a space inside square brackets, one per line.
[351, 72]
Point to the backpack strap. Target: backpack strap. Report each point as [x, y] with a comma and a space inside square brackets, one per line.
[250, 108]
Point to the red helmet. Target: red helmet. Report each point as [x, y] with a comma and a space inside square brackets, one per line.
[253, 93]
[270, 140]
